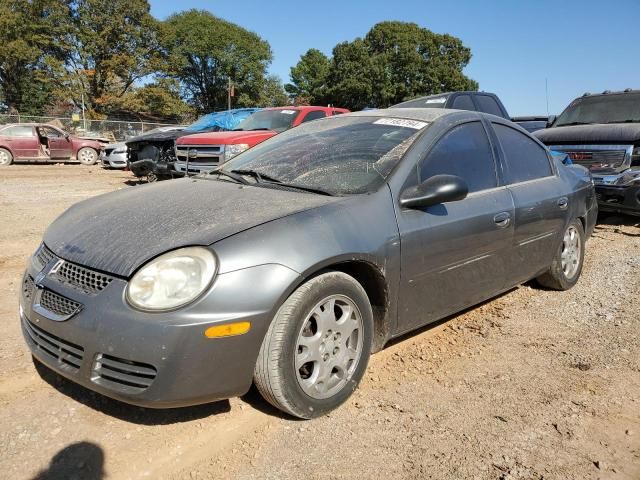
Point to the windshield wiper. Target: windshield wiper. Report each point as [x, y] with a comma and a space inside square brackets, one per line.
[571, 124]
[232, 175]
[624, 121]
[261, 177]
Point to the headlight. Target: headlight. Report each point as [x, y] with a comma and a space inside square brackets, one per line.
[172, 280]
[231, 151]
[635, 157]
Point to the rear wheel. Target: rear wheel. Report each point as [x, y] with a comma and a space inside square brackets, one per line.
[317, 347]
[567, 264]
[87, 156]
[5, 157]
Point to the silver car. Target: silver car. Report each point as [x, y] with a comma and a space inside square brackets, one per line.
[114, 155]
[300, 257]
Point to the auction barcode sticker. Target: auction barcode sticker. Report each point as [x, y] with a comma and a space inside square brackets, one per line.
[288, 112]
[436, 100]
[401, 122]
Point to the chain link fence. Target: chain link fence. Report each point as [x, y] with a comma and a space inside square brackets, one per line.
[113, 130]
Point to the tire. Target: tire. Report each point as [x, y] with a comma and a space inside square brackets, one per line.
[567, 263]
[6, 158]
[335, 359]
[87, 156]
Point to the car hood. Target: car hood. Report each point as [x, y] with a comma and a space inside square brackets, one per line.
[226, 138]
[613, 133]
[119, 231]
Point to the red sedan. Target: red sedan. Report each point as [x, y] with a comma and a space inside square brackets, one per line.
[37, 142]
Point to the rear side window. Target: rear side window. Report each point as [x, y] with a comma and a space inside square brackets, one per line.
[526, 160]
[17, 132]
[463, 151]
[463, 102]
[488, 104]
[314, 115]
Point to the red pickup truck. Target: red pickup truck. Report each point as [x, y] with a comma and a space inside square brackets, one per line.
[206, 151]
[43, 143]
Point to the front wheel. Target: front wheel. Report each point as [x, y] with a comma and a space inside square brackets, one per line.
[317, 347]
[566, 267]
[87, 156]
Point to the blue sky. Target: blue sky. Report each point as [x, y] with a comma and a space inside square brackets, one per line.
[578, 46]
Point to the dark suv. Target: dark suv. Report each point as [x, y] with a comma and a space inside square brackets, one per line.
[602, 133]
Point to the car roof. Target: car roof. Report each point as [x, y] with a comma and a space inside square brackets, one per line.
[423, 114]
[305, 107]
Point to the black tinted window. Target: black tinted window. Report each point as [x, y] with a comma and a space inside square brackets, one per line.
[17, 132]
[314, 115]
[463, 102]
[465, 152]
[526, 160]
[488, 104]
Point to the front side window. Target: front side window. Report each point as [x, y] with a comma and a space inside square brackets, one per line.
[463, 102]
[526, 160]
[341, 155]
[465, 152]
[314, 115]
[17, 131]
[489, 105]
[51, 132]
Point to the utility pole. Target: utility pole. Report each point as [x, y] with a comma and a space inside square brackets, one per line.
[546, 91]
[229, 94]
[84, 122]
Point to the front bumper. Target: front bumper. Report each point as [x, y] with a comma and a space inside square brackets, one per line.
[114, 160]
[156, 360]
[619, 192]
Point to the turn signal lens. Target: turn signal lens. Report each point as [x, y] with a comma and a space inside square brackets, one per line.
[227, 330]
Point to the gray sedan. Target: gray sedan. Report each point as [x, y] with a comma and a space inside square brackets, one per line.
[300, 258]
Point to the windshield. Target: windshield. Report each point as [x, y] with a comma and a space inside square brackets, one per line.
[615, 108]
[340, 155]
[277, 120]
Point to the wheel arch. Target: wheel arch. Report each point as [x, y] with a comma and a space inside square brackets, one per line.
[375, 284]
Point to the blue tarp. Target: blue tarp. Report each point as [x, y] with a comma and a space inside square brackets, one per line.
[227, 120]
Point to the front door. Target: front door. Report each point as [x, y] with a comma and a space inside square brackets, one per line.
[60, 146]
[453, 255]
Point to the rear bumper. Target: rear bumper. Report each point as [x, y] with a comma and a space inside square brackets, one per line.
[619, 199]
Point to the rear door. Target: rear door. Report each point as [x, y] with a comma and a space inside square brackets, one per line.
[540, 199]
[453, 254]
[60, 146]
[22, 140]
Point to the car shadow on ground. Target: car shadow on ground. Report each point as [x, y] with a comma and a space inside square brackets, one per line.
[82, 460]
[607, 220]
[124, 411]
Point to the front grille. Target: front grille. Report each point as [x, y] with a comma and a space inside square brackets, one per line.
[81, 278]
[207, 154]
[28, 286]
[42, 256]
[598, 159]
[58, 305]
[68, 355]
[124, 375]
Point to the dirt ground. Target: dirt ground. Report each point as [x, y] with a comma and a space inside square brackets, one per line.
[534, 384]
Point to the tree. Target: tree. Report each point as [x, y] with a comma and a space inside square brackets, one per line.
[396, 61]
[160, 99]
[113, 44]
[272, 93]
[29, 34]
[204, 52]
[309, 78]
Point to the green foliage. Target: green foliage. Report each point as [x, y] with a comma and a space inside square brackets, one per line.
[395, 61]
[29, 33]
[309, 78]
[158, 99]
[204, 51]
[272, 94]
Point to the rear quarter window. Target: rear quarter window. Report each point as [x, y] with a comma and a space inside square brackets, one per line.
[463, 102]
[488, 104]
[526, 160]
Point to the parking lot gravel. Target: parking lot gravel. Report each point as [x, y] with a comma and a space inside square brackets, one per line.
[535, 384]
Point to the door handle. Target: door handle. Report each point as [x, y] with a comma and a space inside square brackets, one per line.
[563, 203]
[502, 219]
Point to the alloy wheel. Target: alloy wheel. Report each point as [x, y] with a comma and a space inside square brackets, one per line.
[329, 346]
[570, 255]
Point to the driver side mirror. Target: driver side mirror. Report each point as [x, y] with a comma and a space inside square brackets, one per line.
[551, 119]
[435, 190]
